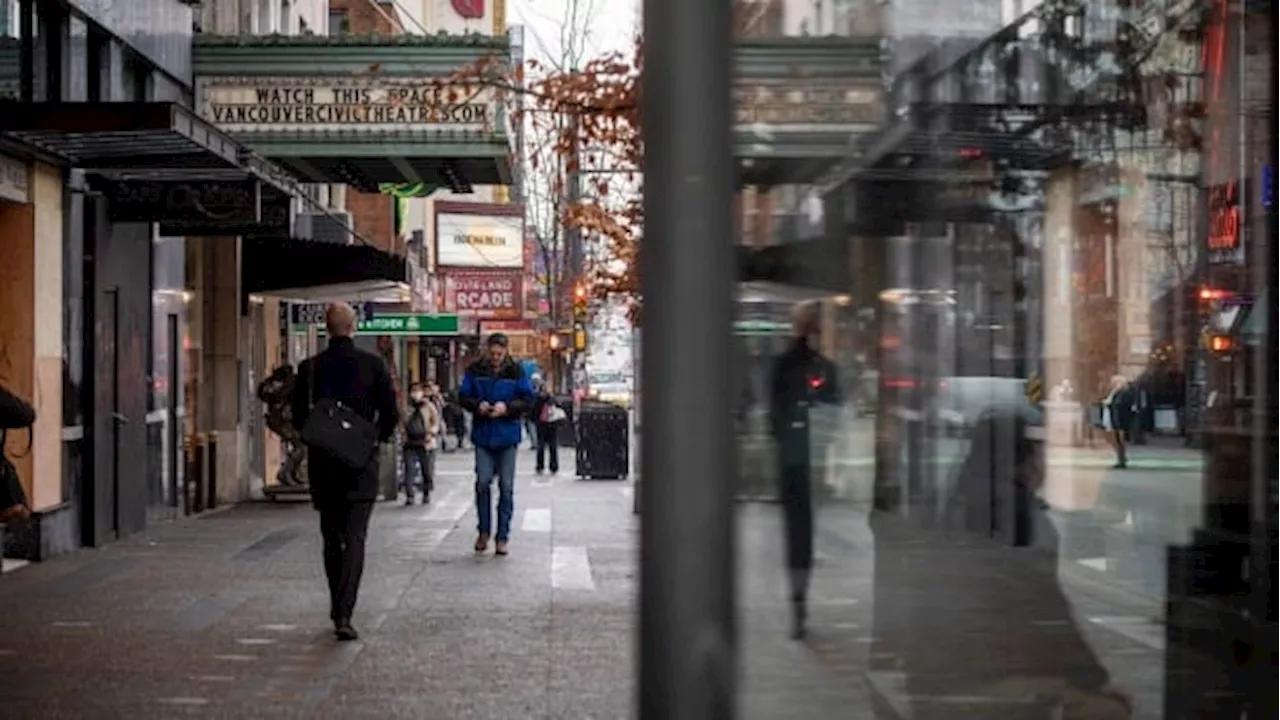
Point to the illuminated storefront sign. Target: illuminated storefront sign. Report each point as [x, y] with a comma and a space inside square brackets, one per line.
[473, 236]
[485, 295]
[241, 105]
[1224, 218]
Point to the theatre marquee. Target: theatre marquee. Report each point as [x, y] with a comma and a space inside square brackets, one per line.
[353, 104]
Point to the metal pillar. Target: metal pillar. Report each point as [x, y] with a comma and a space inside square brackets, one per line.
[687, 633]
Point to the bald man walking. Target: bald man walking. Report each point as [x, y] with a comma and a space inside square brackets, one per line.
[344, 496]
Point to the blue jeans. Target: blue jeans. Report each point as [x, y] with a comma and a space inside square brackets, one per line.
[500, 463]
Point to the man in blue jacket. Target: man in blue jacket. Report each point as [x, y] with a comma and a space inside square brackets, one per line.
[497, 393]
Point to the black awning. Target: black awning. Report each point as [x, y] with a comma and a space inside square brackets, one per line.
[318, 271]
[818, 264]
[137, 141]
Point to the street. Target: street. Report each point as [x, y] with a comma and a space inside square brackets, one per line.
[224, 616]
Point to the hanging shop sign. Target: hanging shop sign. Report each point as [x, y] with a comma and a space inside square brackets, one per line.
[485, 295]
[479, 240]
[313, 313]
[1225, 232]
[409, 324]
[792, 104]
[236, 202]
[14, 180]
[249, 104]
[508, 327]
[274, 218]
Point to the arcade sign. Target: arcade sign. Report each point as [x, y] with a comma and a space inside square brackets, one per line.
[486, 295]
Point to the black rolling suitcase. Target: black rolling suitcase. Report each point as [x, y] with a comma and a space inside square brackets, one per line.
[603, 451]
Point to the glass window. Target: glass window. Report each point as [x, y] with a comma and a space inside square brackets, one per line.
[339, 22]
[78, 56]
[1006, 387]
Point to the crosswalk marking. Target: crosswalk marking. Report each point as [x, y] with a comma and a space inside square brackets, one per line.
[536, 520]
[571, 568]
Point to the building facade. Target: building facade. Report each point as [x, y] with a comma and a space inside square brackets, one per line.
[142, 141]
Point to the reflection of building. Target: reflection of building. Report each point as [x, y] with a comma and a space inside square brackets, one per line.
[1056, 204]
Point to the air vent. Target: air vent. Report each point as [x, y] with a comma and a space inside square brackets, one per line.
[332, 227]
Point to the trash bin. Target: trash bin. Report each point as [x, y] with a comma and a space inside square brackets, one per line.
[566, 430]
[604, 442]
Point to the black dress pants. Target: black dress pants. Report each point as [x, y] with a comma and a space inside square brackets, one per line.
[796, 493]
[344, 527]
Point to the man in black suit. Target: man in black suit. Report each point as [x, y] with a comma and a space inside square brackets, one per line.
[344, 497]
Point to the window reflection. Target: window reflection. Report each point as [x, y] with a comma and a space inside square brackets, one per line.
[1034, 282]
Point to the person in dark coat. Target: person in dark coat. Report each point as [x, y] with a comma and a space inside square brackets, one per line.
[1118, 415]
[345, 498]
[802, 379]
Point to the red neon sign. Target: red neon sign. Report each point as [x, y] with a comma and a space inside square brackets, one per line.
[469, 9]
[1224, 217]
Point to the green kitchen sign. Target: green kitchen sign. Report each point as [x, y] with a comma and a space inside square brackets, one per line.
[405, 324]
[410, 324]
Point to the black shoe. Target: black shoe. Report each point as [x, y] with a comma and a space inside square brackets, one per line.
[426, 498]
[538, 471]
[799, 618]
[344, 632]
[408, 501]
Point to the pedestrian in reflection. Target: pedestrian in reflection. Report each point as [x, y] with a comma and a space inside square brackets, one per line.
[497, 394]
[1118, 412]
[360, 381]
[802, 379]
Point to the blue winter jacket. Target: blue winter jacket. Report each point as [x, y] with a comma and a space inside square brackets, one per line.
[505, 384]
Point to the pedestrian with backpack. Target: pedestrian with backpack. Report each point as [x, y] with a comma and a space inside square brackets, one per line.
[421, 436]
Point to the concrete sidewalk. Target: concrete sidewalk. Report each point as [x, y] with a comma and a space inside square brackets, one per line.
[225, 616]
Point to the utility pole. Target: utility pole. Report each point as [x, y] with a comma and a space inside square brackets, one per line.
[688, 640]
[574, 196]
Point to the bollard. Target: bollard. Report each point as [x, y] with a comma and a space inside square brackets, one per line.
[199, 458]
[211, 470]
[188, 474]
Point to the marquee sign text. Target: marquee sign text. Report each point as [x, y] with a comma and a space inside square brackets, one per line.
[265, 103]
[800, 103]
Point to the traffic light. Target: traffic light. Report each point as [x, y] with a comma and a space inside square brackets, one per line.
[1219, 344]
[580, 304]
[579, 338]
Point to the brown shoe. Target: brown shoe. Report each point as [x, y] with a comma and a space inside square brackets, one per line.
[482, 542]
[500, 547]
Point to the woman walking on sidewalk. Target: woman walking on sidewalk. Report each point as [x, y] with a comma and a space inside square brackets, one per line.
[547, 416]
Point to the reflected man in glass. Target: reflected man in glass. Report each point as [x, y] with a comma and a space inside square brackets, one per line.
[802, 379]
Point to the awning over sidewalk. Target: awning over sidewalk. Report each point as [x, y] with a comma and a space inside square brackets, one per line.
[136, 141]
[818, 264]
[309, 271]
